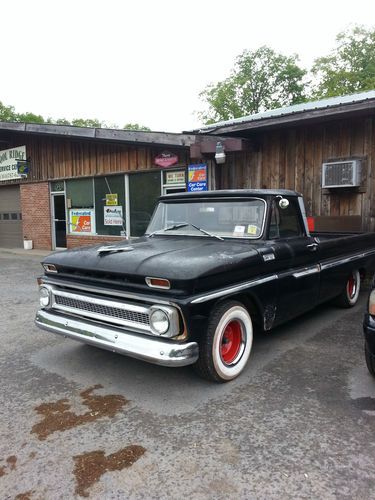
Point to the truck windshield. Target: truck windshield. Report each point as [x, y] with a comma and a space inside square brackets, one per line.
[225, 218]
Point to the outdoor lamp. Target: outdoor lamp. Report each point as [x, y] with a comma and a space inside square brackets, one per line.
[220, 153]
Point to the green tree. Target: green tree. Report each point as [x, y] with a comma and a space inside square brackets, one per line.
[87, 122]
[260, 80]
[7, 113]
[135, 126]
[350, 67]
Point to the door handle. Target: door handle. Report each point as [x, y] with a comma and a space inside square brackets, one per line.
[312, 247]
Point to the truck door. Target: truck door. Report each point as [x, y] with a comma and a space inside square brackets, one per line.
[299, 281]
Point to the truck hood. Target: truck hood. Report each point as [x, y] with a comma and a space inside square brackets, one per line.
[171, 257]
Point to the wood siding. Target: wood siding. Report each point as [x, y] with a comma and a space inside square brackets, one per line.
[55, 158]
[292, 159]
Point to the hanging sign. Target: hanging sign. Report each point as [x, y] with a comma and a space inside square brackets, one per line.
[111, 199]
[166, 159]
[197, 177]
[113, 216]
[8, 163]
[175, 177]
[82, 221]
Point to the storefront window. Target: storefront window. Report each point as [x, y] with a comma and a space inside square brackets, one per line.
[80, 204]
[144, 191]
[110, 205]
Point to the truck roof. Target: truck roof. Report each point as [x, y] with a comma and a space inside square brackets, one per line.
[225, 193]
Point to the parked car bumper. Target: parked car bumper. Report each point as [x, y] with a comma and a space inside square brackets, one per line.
[146, 348]
[369, 331]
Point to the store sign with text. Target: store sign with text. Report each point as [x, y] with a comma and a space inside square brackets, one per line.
[82, 220]
[113, 216]
[8, 163]
[166, 159]
[197, 177]
[175, 177]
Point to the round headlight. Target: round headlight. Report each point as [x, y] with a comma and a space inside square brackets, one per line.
[159, 321]
[44, 296]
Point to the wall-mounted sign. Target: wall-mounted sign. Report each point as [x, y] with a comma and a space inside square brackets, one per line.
[166, 159]
[8, 162]
[197, 177]
[175, 177]
[82, 220]
[113, 216]
[111, 199]
[23, 167]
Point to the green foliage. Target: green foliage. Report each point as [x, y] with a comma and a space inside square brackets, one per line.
[7, 113]
[89, 122]
[260, 80]
[350, 67]
[135, 126]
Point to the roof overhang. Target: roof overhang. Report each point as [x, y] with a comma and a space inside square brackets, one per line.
[101, 134]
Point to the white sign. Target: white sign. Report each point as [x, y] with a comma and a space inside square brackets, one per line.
[82, 221]
[8, 162]
[113, 216]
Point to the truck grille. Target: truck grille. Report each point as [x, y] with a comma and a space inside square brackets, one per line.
[114, 312]
[133, 316]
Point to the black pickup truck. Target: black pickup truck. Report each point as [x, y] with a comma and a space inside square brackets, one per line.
[210, 266]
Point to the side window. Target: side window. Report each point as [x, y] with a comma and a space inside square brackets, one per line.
[285, 223]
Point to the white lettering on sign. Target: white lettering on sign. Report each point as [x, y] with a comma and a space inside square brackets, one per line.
[8, 162]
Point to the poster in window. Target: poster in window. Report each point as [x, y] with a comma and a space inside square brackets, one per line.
[113, 216]
[82, 220]
[111, 199]
[197, 177]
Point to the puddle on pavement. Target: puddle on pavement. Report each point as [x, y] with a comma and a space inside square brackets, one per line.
[365, 404]
[24, 496]
[58, 416]
[89, 467]
[10, 465]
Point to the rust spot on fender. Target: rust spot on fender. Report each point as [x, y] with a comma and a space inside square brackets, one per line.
[89, 467]
[57, 416]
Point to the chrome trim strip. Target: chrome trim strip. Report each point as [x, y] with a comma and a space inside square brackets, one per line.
[150, 349]
[104, 291]
[333, 263]
[233, 289]
[307, 271]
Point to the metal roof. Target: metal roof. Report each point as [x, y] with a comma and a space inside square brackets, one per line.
[102, 134]
[323, 104]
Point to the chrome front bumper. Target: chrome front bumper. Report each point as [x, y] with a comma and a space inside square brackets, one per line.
[147, 348]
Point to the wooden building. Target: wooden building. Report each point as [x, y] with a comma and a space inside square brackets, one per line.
[64, 186]
[83, 185]
[287, 148]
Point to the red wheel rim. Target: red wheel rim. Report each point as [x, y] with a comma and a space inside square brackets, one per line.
[351, 287]
[231, 342]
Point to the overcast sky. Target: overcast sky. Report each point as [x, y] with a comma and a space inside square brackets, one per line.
[146, 61]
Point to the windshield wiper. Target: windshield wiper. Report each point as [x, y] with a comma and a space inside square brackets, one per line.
[184, 224]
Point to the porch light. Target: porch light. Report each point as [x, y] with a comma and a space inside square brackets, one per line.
[220, 155]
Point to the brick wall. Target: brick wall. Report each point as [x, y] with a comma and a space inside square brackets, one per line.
[74, 241]
[36, 214]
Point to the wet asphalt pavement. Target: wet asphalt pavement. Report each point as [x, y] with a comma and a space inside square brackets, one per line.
[299, 423]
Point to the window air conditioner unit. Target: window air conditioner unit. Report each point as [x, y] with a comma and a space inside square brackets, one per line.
[340, 174]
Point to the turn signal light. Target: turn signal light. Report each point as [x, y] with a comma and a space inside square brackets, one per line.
[371, 305]
[158, 283]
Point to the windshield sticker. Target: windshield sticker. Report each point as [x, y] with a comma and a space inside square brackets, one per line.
[251, 229]
[239, 231]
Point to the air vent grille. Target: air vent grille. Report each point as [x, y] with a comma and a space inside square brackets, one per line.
[341, 174]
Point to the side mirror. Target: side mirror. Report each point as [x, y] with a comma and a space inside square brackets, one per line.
[283, 203]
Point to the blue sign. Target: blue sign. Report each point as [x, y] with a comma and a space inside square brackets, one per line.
[197, 177]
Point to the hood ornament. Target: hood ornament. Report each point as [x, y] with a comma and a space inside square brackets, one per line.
[113, 248]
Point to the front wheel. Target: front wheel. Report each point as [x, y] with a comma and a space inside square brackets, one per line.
[349, 296]
[225, 347]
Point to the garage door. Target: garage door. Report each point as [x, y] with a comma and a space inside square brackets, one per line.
[10, 217]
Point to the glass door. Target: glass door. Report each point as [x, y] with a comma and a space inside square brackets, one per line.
[59, 220]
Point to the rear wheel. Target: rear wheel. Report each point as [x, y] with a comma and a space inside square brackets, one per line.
[349, 296]
[370, 360]
[225, 348]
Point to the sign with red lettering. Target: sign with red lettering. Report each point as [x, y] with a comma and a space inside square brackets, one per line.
[82, 221]
[166, 160]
